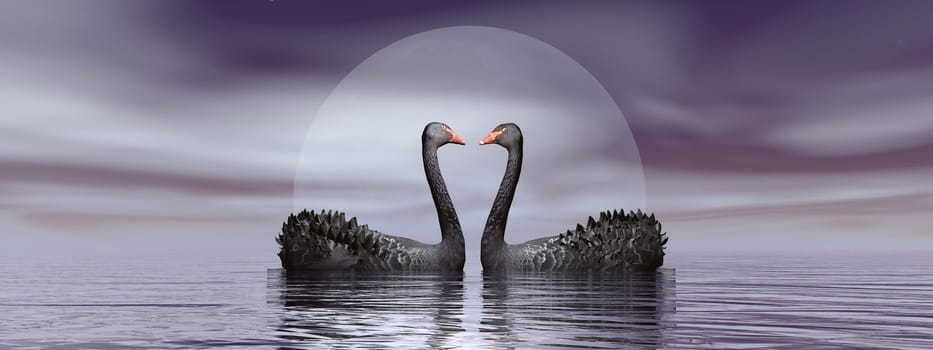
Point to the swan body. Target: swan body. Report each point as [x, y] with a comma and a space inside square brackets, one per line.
[327, 241]
[615, 242]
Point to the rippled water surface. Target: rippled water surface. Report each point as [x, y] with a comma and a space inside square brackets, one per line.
[824, 302]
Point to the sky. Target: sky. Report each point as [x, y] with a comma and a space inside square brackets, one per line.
[167, 128]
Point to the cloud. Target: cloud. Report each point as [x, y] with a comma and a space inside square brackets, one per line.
[876, 113]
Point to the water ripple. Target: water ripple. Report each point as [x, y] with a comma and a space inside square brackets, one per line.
[814, 302]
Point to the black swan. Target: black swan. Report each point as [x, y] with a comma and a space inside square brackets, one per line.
[327, 241]
[615, 242]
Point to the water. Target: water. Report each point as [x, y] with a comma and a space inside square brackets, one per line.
[821, 302]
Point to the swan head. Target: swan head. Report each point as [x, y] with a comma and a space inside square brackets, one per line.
[439, 134]
[505, 135]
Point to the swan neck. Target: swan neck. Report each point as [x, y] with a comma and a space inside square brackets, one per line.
[494, 234]
[451, 233]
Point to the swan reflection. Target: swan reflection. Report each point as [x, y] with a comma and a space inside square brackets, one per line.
[353, 310]
[344, 309]
[535, 310]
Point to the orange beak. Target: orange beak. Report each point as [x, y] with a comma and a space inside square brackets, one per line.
[455, 138]
[491, 138]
